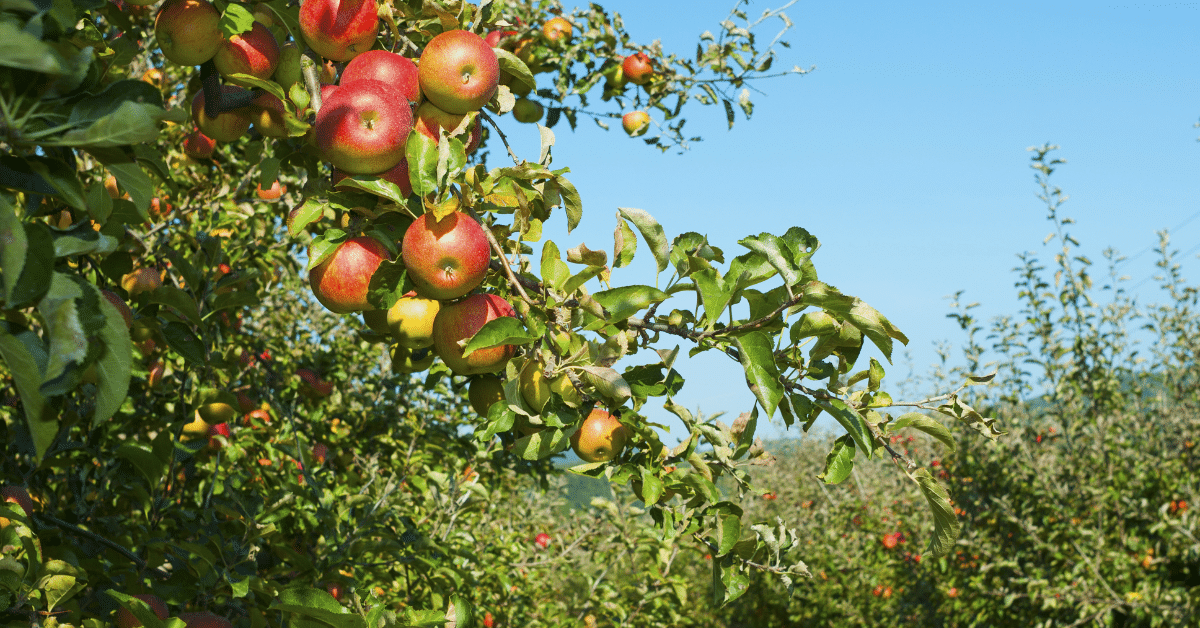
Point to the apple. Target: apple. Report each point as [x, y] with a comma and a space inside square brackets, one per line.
[493, 37]
[335, 590]
[527, 111]
[376, 321]
[245, 403]
[518, 88]
[542, 540]
[16, 495]
[256, 415]
[557, 29]
[111, 186]
[340, 282]
[405, 360]
[197, 428]
[638, 68]
[363, 126]
[635, 123]
[215, 412]
[220, 429]
[155, 374]
[289, 71]
[160, 209]
[312, 385]
[228, 126]
[327, 73]
[270, 194]
[601, 437]
[267, 115]
[198, 145]
[448, 258]
[410, 321]
[430, 119]
[126, 619]
[254, 52]
[389, 67]
[488, 620]
[458, 71]
[141, 280]
[119, 303]
[188, 31]
[397, 175]
[462, 320]
[339, 29]
[534, 386]
[319, 453]
[483, 392]
[204, 620]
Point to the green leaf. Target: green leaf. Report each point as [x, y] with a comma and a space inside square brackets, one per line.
[63, 178]
[945, 524]
[736, 584]
[623, 302]
[303, 216]
[22, 50]
[142, 611]
[652, 487]
[554, 270]
[461, 613]
[131, 123]
[178, 299]
[814, 324]
[26, 358]
[143, 460]
[236, 20]
[542, 444]
[652, 232]
[514, 66]
[316, 604]
[608, 383]
[850, 420]
[729, 532]
[577, 280]
[65, 323]
[756, 353]
[840, 461]
[583, 255]
[28, 257]
[777, 253]
[571, 202]
[83, 240]
[422, 154]
[624, 244]
[866, 318]
[181, 339]
[374, 185]
[926, 424]
[714, 292]
[130, 175]
[113, 366]
[506, 330]
[96, 107]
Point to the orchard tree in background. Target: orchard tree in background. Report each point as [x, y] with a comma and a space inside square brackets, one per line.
[278, 349]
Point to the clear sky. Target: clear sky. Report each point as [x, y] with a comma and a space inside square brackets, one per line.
[904, 152]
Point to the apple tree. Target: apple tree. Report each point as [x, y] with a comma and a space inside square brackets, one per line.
[278, 347]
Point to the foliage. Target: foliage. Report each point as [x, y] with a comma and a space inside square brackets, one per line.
[343, 471]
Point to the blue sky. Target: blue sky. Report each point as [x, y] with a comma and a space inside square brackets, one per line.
[904, 152]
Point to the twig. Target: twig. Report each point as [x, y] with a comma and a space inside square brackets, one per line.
[59, 523]
[503, 138]
[500, 252]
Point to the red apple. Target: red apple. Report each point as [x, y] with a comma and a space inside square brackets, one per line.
[125, 618]
[187, 31]
[397, 175]
[635, 123]
[204, 620]
[122, 307]
[638, 68]
[319, 453]
[557, 29]
[254, 52]
[340, 282]
[430, 119]
[16, 495]
[389, 67]
[259, 415]
[198, 145]
[220, 429]
[228, 126]
[339, 29]
[362, 128]
[542, 540]
[312, 385]
[493, 38]
[460, 321]
[448, 258]
[272, 193]
[458, 72]
[327, 90]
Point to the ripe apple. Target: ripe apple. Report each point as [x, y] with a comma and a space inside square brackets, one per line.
[160, 209]
[405, 360]
[542, 540]
[363, 126]
[339, 29]
[388, 67]
[119, 303]
[635, 123]
[493, 37]
[312, 385]
[141, 280]
[484, 391]
[535, 388]
[410, 321]
[125, 618]
[397, 175]
[220, 429]
[638, 68]
[228, 126]
[458, 71]
[557, 29]
[340, 282]
[430, 119]
[16, 495]
[272, 193]
[256, 415]
[204, 620]
[111, 186]
[198, 145]
[254, 52]
[527, 111]
[188, 31]
[155, 375]
[601, 437]
[319, 453]
[288, 71]
[462, 320]
[267, 113]
[335, 590]
[448, 258]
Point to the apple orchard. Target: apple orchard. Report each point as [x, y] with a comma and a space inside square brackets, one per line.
[278, 349]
